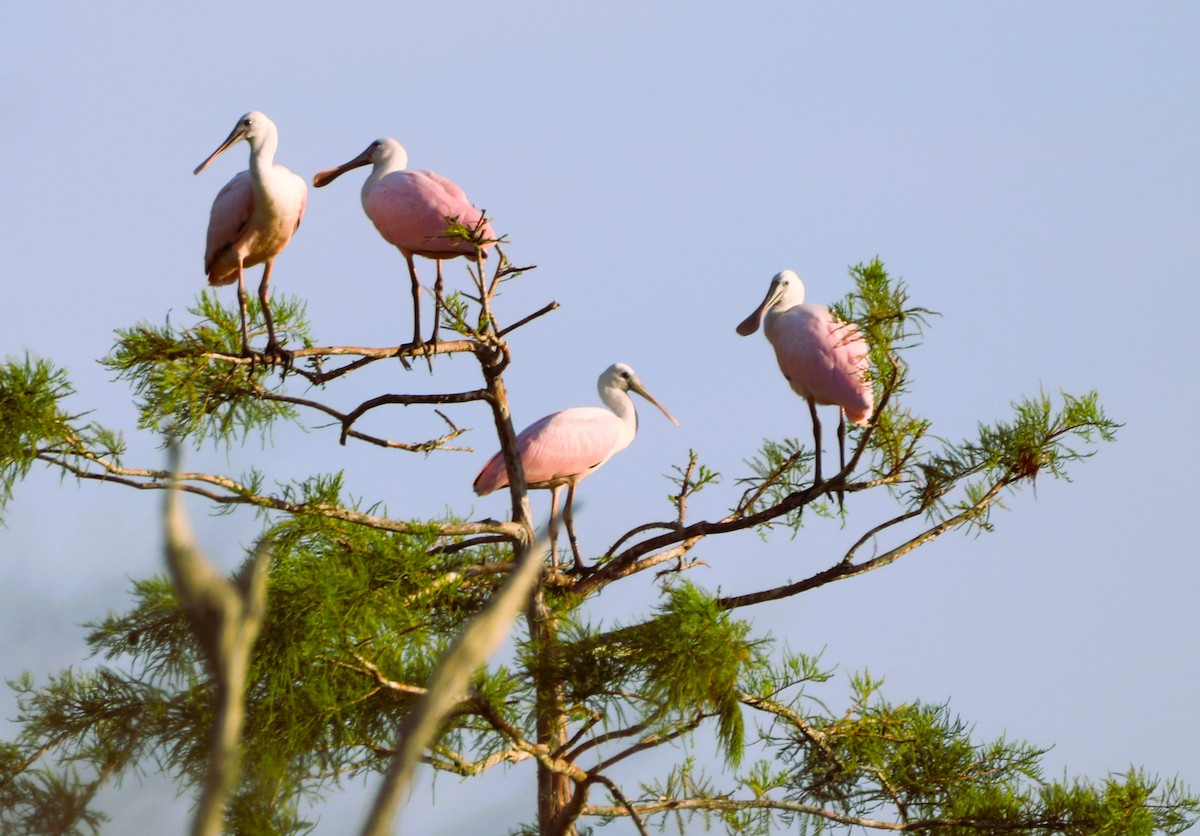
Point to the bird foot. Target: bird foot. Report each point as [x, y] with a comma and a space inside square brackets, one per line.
[417, 348]
[427, 351]
[581, 569]
[403, 360]
[250, 354]
[275, 355]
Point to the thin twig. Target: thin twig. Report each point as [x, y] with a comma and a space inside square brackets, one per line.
[432, 444]
[620, 798]
[525, 320]
[408, 400]
[239, 494]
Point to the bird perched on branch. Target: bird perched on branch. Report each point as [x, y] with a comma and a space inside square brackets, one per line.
[253, 217]
[413, 210]
[824, 359]
[562, 449]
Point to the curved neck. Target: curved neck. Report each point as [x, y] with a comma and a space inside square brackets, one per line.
[262, 153]
[621, 404]
[380, 169]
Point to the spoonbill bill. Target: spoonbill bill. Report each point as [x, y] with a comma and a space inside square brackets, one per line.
[412, 210]
[562, 449]
[253, 217]
[824, 359]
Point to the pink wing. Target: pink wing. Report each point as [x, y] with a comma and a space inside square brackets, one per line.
[231, 211]
[409, 208]
[824, 358]
[562, 447]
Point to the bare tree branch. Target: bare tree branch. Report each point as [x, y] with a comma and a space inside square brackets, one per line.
[235, 493]
[439, 443]
[731, 805]
[844, 569]
[408, 400]
[526, 320]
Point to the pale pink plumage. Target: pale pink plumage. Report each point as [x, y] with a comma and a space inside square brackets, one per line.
[233, 229]
[411, 210]
[825, 360]
[253, 217]
[562, 449]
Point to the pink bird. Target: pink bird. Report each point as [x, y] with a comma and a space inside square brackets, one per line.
[253, 218]
[561, 449]
[824, 359]
[412, 210]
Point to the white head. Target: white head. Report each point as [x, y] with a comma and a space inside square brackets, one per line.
[386, 155]
[255, 128]
[619, 377]
[786, 291]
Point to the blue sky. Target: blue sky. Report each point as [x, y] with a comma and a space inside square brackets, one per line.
[1029, 169]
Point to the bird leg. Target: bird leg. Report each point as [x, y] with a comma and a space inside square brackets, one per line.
[841, 432]
[580, 568]
[416, 294]
[273, 351]
[246, 352]
[812, 408]
[437, 304]
[555, 493]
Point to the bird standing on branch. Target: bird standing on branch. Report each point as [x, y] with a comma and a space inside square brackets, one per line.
[562, 449]
[253, 217]
[824, 359]
[413, 210]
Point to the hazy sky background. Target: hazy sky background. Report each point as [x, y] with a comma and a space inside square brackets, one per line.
[1029, 169]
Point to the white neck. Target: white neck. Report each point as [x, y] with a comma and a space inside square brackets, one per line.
[262, 152]
[396, 159]
[621, 404]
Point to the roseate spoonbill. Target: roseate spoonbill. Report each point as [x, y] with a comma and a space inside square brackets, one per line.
[253, 217]
[561, 449]
[411, 210]
[824, 359]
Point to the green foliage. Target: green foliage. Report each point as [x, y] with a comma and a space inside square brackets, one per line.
[41, 802]
[100, 720]
[912, 763]
[362, 606]
[1039, 439]
[31, 415]
[353, 613]
[692, 479]
[184, 387]
[879, 306]
[958, 482]
[35, 425]
[780, 470]
[684, 662]
[455, 311]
